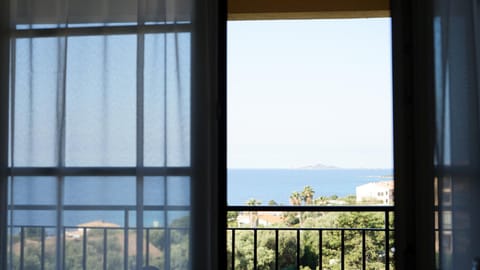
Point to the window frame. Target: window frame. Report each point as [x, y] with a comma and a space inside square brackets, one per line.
[60, 171]
[306, 9]
[413, 106]
[4, 124]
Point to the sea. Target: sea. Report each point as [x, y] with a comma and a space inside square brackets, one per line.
[242, 185]
[278, 184]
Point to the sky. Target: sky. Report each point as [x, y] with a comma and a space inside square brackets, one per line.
[307, 92]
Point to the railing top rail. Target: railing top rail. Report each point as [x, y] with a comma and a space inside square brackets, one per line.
[382, 229]
[314, 208]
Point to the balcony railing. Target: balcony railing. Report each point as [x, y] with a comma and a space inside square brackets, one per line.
[276, 246]
[106, 247]
[302, 246]
[101, 245]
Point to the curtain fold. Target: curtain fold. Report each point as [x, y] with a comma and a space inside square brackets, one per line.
[102, 135]
[457, 52]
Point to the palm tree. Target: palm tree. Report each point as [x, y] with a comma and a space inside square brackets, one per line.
[307, 195]
[295, 199]
[253, 202]
[253, 216]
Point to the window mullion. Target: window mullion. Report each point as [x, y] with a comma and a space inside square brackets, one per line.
[61, 124]
[103, 30]
[140, 135]
[98, 171]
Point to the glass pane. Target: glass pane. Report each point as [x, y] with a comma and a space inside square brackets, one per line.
[155, 100]
[168, 11]
[179, 249]
[179, 219]
[34, 190]
[154, 190]
[178, 190]
[81, 13]
[34, 218]
[156, 247]
[154, 219]
[101, 101]
[100, 191]
[38, 87]
[167, 100]
[95, 218]
[38, 14]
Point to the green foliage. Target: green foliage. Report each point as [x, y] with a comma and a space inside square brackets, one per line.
[352, 222]
[272, 203]
[253, 202]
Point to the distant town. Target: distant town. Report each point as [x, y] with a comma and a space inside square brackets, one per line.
[373, 193]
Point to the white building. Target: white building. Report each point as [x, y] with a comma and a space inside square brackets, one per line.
[259, 218]
[375, 191]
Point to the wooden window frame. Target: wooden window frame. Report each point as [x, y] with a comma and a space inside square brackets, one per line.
[306, 9]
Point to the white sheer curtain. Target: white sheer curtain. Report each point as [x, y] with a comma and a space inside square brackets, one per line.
[457, 67]
[104, 134]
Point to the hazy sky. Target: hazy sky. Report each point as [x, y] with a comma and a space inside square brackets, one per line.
[308, 92]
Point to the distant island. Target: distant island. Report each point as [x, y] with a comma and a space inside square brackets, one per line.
[318, 166]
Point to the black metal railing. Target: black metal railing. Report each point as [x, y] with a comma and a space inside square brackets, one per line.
[104, 242]
[357, 235]
[115, 246]
[105, 247]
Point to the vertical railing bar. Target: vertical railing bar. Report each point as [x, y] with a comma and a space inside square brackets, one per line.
[255, 249]
[22, 242]
[42, 249]
[64, 240]
[104, 248]
[342, 252]
[84, 249]
[320, 250]
[125, 240]
[277, 267]
[387, 240]
[166, 262]
[298, 249]
[147, 251]
[233, 249]
[364, 251]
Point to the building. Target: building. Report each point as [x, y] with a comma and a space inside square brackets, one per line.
[254, 219]
[375, 192]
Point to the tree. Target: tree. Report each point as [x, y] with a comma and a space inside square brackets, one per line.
[253, 215]
[272, 203]
[295, 199]
[307, 195]
[253, 202]
[232, 218]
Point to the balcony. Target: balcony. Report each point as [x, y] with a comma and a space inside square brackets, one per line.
[350, 244]
[361, 239]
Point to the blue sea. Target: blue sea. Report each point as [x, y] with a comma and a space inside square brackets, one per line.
[278, 184]
[243, 184]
